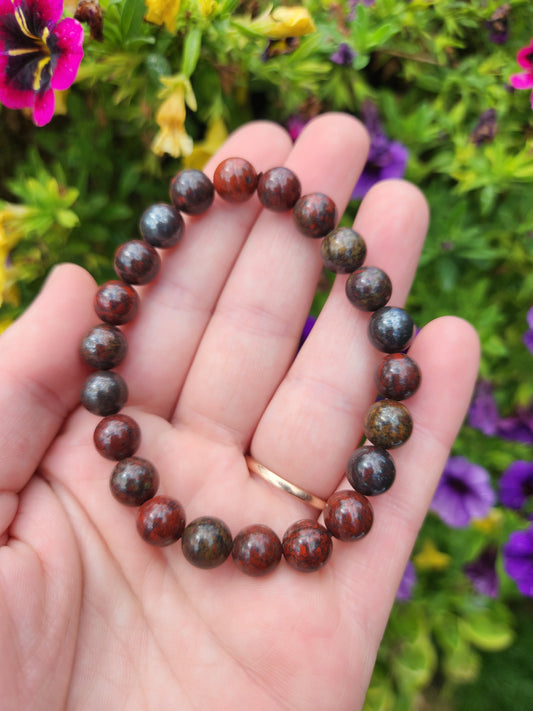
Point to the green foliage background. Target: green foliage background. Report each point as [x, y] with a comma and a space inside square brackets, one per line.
[432, 70]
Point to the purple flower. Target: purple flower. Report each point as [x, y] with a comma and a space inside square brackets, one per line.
[482, 572]
[386, 158]
[518, 560]
[343, 56]
[524, 80]
[528, 335]
[308, 325]
[407, 582]
[38, 53]
[483, 412]
[498, 25]
[516, 484]
[295, 125]
[464, 492]
[517, 427]
[485, 129]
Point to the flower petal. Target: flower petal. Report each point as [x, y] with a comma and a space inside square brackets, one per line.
[43, 109]
[69, 35]
[524, 80]
[48, 10]
[524, 56]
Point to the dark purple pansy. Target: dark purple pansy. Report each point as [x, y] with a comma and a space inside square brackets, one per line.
[518, 427]
[528, 335]
[518, 560]
[516, 484]
[483, 412]
[482, 572]
[344, 55]
[407, 583]
[464, 492]
[386, 158]
[38, 53]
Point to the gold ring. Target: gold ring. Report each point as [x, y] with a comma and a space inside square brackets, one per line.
[283, 484]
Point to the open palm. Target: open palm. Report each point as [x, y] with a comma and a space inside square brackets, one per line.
[91, 617]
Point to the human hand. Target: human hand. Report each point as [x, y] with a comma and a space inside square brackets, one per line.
[93, 617]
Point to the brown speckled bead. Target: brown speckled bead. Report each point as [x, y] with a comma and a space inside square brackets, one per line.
[348, 515]
[314, 215]
[206, 542]
[370, 470]
[278, 189]
[134, 481]
[368, 288]
[104, 393]
[397, 376]
[161, 225]
[235, 180]
[103, 347]
[116, 302]
[256, 550]
[391, 329]
[388, 424]
[306, 546]
[343, 250]
[137, 262]
[117, 437]
[191, 191]
[160, 521]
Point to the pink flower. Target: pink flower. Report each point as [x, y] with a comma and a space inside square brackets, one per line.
[524, 80]
[38, 53]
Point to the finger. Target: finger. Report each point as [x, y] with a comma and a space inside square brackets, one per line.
[314, 421]
[255, 329]
[447, 350]
[41, 375]
[177, 306]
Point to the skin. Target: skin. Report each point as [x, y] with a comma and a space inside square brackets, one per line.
[93, 617]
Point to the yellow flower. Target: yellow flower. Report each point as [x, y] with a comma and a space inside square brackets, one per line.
[207, 7]
[490, 524]
[283, 22]
[12, 227]
[163, 12]
[215, 136]
[170, 117]
[9, 292]
[430, 558]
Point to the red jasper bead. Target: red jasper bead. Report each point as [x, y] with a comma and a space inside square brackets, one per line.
[116, 302]
[368, 288]
[137, 262]
[370, 470]
[397, 376]
[278, 189]
[103, 347]
[343, 250]
[191, 191]
[306, 546]
[104, 393]
[134, 481]
[117, 437]
[348, 515]
[206, 542]
[161, 225]
[161, 521]
[235, 180]
[315, 215]
[256, 550]
[388, 424]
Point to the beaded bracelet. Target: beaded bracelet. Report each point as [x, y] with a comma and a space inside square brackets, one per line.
[207, 541]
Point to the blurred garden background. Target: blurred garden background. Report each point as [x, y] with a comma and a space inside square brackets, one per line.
[446, 91]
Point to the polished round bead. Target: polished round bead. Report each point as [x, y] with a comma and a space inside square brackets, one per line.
[137, 262]
[161, 225]
[134, 481]
[368, 288]
[235, 180]
[206, 542]
[256, 550]
[388, 424]
[370, 470]
[117, 437]
[391, 329]
[103, 347]
[343, 250]
[348, 515]
[161, 521]
[278, 189]
[397, 376]
[104, 393]
[306, 545]
[191, 191]
[315, 215]
[116, 302]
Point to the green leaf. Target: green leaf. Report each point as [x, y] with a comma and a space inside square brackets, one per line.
[131, 18]
[486, 631]
[191, 51]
